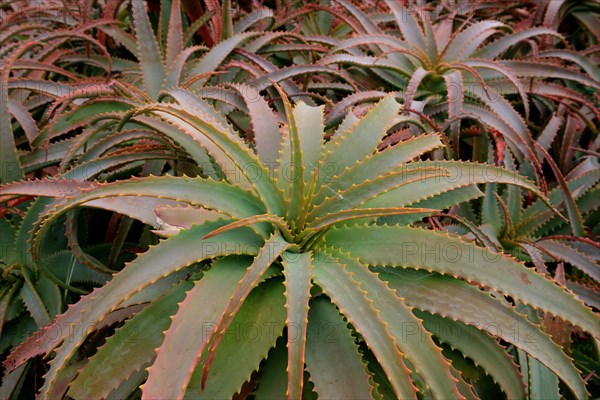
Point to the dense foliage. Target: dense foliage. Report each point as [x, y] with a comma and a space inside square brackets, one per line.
[331, 199]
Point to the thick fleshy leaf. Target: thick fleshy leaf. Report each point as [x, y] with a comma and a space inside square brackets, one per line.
[254, 330]
[537, 214]
[409, 27]
[266, 256]
[564, 252]
[454, 175]
[296, 180]
[185, 217]
[297, 269]
[267, 135]
[377, 164]
[362, 193]
[330, 345]
[533, 69]
[543, 383]
[311, 129]
[235, 158]
[497, 47]
[217, 54]
[121, 196]
[588, 294]
[434, 251]
[357, 307]
[479, 347]
[456, 92]
[410, 337]
[33, 303]
[148, 52]
[460, 301]
[362, 139]
[468, 40]
[584, 62]
[129, 349]
[575, 218]
[175, 33]
[171, 255]
[10, 170]
[191, 330]
[273, 382]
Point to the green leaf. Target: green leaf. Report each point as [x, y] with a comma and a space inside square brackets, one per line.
[11, 383]
[455, 175]
[126, 196]
[266, 256]
[463, 44]
[217, 54]
[227, 21]
[479, 347]
[497, 47]
[330, 345]
[191, 330]
[588, 294]
[34, 303]
[311, 129]
[297, 269]
[253, 331]
[174, 34]
[120, 36]
[236, 160]
[267, 135]
[359, 142]
[359, 310]
[364, 193]
[10, 169]
[434, 251]
[414, 342]
[543, 383]
[456, 92]
[129, 349]
[332, 219]
[575, 218]
[296, 166]
[461, 301]
[169, 256]
[490, 213]
[375, 165]
[534, 69]
[409, 27]
[272, 383]
[196, 25]
[147, 50]
[185, 217]
[564, 252]
[537, 214]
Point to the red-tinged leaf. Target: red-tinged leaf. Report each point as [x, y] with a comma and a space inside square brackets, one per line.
[147, 50]
[575, 218]
[175, 33]
[10, 170]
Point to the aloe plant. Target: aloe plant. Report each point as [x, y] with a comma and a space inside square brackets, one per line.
[323, 248]
[473, 72]
[297, 227]
[528, 232]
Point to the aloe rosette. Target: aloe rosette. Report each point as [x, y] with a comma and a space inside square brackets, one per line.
[315, 240]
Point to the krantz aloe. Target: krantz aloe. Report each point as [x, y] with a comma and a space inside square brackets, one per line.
[247, 245]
